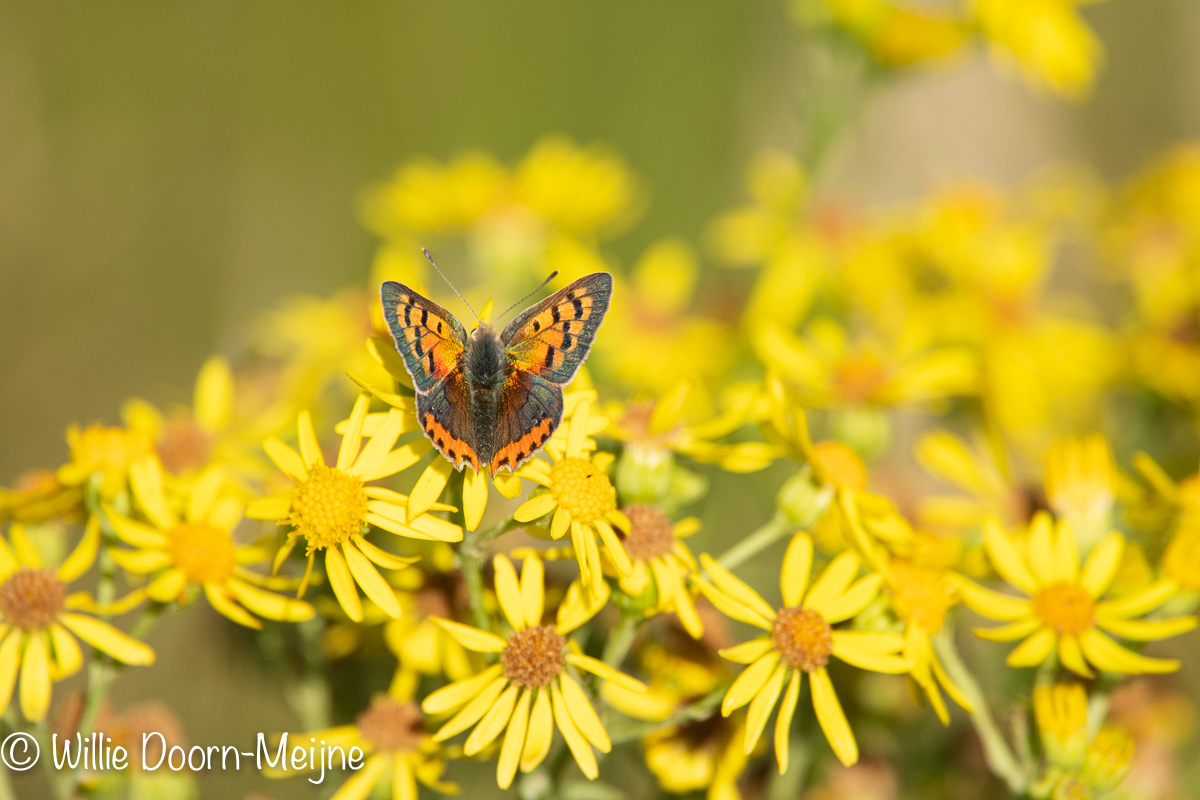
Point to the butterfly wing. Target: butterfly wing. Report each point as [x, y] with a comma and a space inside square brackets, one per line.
[552, 338]
[531, 409]
[430, 340]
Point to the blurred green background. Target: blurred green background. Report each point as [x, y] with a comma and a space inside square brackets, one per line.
[168, 170]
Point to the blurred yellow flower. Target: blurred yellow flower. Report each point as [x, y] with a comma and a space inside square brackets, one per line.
[801, 639]
[1079, 480]
[1047, 40]
[658, 554]
[332, 510]
[1062, 610]
[104, 451]
[197, 550]
[39, 621]
[1061, 713]
[895, 34]
[540, 693]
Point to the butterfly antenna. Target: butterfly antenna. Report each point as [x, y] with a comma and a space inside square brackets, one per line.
[549, 278]
[451, 285]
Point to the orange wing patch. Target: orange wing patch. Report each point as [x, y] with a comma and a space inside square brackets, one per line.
[553, 338]
[512, 454]
[451, 447]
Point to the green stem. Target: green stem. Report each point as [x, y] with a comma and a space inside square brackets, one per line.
[621, 639]
[6, 790]
[999, 755]
[755, 543]
[472, 554]
[62, 785]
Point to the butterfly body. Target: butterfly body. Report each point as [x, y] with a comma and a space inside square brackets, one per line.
[492, 400]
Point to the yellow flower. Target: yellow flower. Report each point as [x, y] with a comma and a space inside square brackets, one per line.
[896, 34]
[198, 550]
[581, 498]
[420, 645]
[105, 451]
[1063, 610]
[1047, 39]
[529, 691]
[703, 755]
[801, 639]
[656, 551]
[399, 752]
[1060, 712]
[826, 369]
[331, 509]
[39, 621]
[38, 495]
[979, 471]
[1181, 560]
[1108, 760]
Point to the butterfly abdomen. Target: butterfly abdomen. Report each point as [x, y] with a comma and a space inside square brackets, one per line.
[486, 369]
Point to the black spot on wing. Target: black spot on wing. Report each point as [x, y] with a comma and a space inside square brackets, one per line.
[567, 341]
[578, 308]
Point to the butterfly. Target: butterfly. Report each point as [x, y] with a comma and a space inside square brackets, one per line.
[493, 400]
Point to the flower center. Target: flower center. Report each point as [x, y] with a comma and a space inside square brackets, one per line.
[183, 446]
[582, 489]
[858, 377]
[803, 637]
[392, 726]
[204, 553]
[650, 532]
[920, 595]
[534, 656]
[1066, 608]
[32, 598]
[328, 508]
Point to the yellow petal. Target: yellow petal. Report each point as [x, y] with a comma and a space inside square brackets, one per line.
[992, 604]
[274, 507]
[761, 706]
[583, 715]
[68, 658]
[1140, 603]
[845, 647]
[382, 557]
[472, 638]
[436, 528]
[507, 484]
[1034, 650]
[579, 747]
[310, 449]
[1041, 546]
[492, 723]
[1146, 630]
[429, 487]
[475, 495]
[730, 607]
[783, 723]
[514, 742]
[1066, 553]
[383, 436]
[612, 544]
[342, 582]
[735, 588]
[397, 460]
[533, 590]
[1010, 632]
[167, 587]
[35, 678]
[223, 603]
[748, 684]
[832, 584]
[84, 555]
[508, 591]
[371, 582]
[832, 719]
[204, 493]
[10, 662]
[797, 564]
[146, 480]
[213, 395]
[560, 523]
[1006, 558]
[1109, 656]
[1071, 656]
[473, 711]
[287, 459]
[855, 599]
[404, 783]
[748, 652]
[541, 732]
[348, 451]
[453, 695]
[268, 604]
[140, 562]
[135, 533]
[108, 639]
[1102, 564]
[605, 672]
[359, 785]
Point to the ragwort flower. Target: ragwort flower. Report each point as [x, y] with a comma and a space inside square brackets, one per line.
[197, 550]
[332, 510]
[106, 451]
[582, 498]
[801, 639]
[657, 552]
[39, 621]
[529, 692]
[1063, 610]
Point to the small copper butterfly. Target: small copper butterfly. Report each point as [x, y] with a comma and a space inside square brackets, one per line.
[488, 399]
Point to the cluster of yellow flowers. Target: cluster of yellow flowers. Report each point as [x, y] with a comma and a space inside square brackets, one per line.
[837, 369]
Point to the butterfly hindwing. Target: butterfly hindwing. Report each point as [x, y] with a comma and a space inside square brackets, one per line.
[531, 408]
[552, 338]
[445, 416]
[428, 337]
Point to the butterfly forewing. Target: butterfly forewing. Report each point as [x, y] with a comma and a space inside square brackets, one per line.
[429, 338]
[552, 338]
